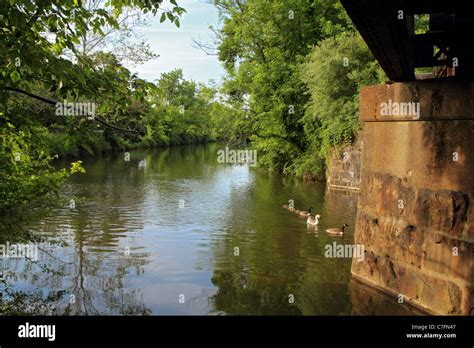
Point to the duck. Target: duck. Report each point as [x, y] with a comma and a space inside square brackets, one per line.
[313, 222]
[305, 213]
[337, 230]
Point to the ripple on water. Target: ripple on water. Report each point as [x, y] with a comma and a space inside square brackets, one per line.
[139, 239]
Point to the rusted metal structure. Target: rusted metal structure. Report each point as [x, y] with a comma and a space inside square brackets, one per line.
[389, 28]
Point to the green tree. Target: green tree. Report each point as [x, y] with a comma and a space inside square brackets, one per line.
[181, 111]
[34, 37]
[261, 44]
[334, 72]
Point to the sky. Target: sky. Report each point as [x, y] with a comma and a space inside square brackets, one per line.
[175, 48]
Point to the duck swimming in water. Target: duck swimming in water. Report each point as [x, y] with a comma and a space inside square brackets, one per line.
[313, 222]
[337, 231]
[304, 213]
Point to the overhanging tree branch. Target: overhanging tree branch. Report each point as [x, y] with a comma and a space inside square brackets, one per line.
[54, 102]
[281, 137]
[208, 49]
[19, 90]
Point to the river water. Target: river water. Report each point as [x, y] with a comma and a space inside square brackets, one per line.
[172, 231]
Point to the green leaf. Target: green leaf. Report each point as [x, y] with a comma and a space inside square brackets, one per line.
[75, 40]
[15, 76]
[76, 167]
[163, 17]
[87, 148]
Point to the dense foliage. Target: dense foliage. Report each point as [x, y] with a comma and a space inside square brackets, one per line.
[46, 58]
[182, 112]
[285, 65]
[334, 72]
[294, 69]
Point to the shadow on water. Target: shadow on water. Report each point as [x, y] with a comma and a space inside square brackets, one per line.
[172, 231]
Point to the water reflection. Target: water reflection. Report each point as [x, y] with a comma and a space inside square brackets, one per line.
[173, 225]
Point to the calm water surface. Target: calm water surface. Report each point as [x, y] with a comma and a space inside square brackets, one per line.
[183, 227]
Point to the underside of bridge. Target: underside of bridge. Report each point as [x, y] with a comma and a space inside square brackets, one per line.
[416, 204]
[391, 30]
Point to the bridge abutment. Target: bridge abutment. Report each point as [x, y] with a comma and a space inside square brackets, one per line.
[416, 205]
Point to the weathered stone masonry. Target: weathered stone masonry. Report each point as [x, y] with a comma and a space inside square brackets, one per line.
[343, 171]
[416, 205]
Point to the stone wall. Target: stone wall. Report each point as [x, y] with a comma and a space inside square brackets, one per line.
[368, 300]
[343, 171]
[416, 205]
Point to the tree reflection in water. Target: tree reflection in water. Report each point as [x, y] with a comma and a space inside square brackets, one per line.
[230, 247]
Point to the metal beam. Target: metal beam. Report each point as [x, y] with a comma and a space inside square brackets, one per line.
[387, 27]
